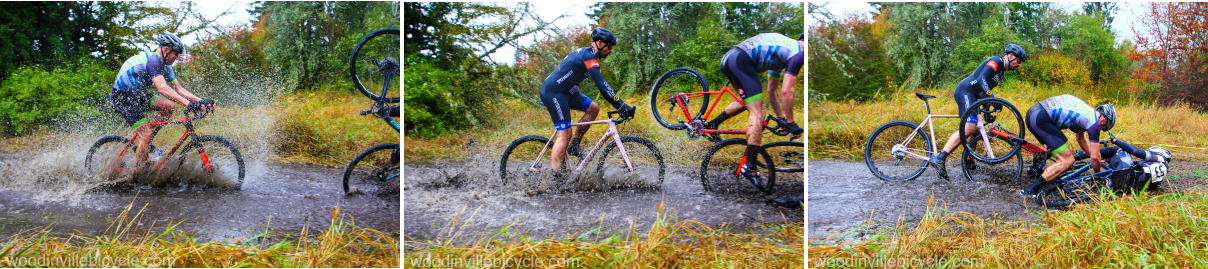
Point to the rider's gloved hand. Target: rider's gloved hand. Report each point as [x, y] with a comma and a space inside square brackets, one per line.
[794, 129]
[627, 111]
[194, 105]
[208, 104]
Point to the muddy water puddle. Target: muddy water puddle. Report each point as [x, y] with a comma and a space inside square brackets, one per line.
[847, 202]
[274, 197]
[466, 202]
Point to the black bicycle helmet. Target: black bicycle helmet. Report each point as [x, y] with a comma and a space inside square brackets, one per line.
[1018, 51]
[171, 41]
[801, 37]
[601, 33]
[1108, 111]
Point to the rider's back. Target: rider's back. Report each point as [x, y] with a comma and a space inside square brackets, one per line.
[137, 71]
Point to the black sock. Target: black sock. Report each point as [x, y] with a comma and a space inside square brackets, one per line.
[1040, 182]
[719, 119]
[574, 142]
[751, 150]
[942, 156]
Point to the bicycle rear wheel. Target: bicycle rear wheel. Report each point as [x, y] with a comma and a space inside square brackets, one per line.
[1065, 194]
[885, 153]
[374, 171]
[677, 81]
[520, 165]
[368, 69]
[788, 156]
[719, 170]
[102, 157]
[975, 170]
[212, 160]
[647, 162]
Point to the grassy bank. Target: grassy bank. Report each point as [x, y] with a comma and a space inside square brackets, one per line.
[516, 119]
[841, 129]
[670, 243]
[1137, 231]
[127, 243]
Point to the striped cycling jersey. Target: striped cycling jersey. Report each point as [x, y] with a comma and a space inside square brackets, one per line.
[136, 72]
[1069, 112]
[772, 52]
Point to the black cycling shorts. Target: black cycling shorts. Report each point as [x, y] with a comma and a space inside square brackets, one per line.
[965, 96]
[1042, 126]
[740, 69]
[559, 104]
[131, 105]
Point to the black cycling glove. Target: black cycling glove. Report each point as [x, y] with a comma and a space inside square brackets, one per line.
[794, 128]
[626, 111]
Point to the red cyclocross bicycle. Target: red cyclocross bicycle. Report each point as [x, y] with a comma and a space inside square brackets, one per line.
[214, 155]
[676, 94]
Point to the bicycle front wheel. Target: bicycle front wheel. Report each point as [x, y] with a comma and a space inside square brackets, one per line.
[886, 153]
[213, 160]
[788, 156]
[677, 81]
[720, 169]
[645, 158]
[368, 70]
[1005, 120]
[374, 171]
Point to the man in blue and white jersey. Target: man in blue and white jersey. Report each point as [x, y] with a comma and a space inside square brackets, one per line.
[132, 90]
[1066, 112]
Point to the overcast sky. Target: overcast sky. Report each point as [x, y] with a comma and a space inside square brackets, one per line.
[549, 11]
[1125, 19]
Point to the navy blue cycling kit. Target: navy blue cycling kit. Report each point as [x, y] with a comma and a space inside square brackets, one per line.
[1050, 116]
[560, 92]
[978, 84]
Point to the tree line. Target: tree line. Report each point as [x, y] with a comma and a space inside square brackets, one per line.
[906, 46]
[59, 59]
[451, 83]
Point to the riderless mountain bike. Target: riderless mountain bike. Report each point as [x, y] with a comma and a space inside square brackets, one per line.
[376, 169]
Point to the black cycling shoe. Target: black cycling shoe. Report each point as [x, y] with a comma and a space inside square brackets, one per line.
[1025, 194]
[574, 149]
[938, 164]
[751, 175]
[786, 202]
[970, 165]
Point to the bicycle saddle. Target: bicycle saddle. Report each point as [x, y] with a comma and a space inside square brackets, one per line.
[923, 97]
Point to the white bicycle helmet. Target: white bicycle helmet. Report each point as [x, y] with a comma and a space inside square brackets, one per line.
[1160, 151]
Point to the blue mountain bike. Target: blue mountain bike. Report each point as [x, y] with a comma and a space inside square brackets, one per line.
[376, 171]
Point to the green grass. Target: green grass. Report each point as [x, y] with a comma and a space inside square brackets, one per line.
[841, 129]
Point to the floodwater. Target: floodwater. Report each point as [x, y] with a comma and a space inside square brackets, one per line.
[847, 202]
[465, 202]
[274, 198]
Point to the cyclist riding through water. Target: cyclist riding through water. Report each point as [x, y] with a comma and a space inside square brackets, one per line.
[976, 87]
[777, 56]
[560, 93]
[131, 96]
[1050, 116]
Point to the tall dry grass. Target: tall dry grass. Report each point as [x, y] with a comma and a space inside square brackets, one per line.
[841, 129]
[1135, 231]
[669, 243]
